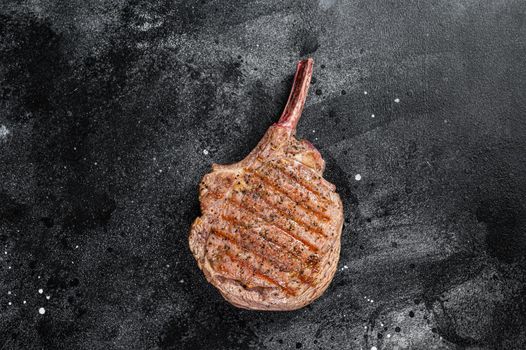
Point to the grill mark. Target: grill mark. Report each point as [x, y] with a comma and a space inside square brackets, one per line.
[282, 219]
[234, 241]
[298, 180]
[308, 208]
[298, 221]
[260, 274]
[303, 261]
[273, 260]
[254, 213]
[232, 220]
[215, 195]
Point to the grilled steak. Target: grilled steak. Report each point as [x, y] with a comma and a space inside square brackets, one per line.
[269, 234]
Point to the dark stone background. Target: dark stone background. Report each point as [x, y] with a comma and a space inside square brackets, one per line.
[107, 106]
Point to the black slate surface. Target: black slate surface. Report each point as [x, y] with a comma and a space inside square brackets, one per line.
[111, 111]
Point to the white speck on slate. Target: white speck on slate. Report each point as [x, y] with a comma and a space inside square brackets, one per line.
[4, 132]
[205, 152]
[365, 92]
[76, 247]
[5, 252]
[374, 348]
[181, 281]
[41, 311]
[389, 336]
[38, 277]
[397, 100]
[40, 291]
[24, 301]
[372, 115]
[358, 177]
[8, 292]
[48, 297]
[9, 267]
[9, 303]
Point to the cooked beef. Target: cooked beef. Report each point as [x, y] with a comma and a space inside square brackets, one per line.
[269, 234]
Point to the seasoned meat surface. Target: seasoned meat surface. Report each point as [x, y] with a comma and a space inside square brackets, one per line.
[269, 234]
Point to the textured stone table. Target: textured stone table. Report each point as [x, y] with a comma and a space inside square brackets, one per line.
[111, 111]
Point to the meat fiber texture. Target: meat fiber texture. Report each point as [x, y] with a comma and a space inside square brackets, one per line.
[269, 234]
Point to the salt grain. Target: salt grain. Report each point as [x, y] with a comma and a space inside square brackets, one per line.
[358, 177]
[41, 311]
[205, 152]
[397, 100]
[40, 291]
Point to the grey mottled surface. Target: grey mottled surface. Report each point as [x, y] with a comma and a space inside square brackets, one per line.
[107, 108]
